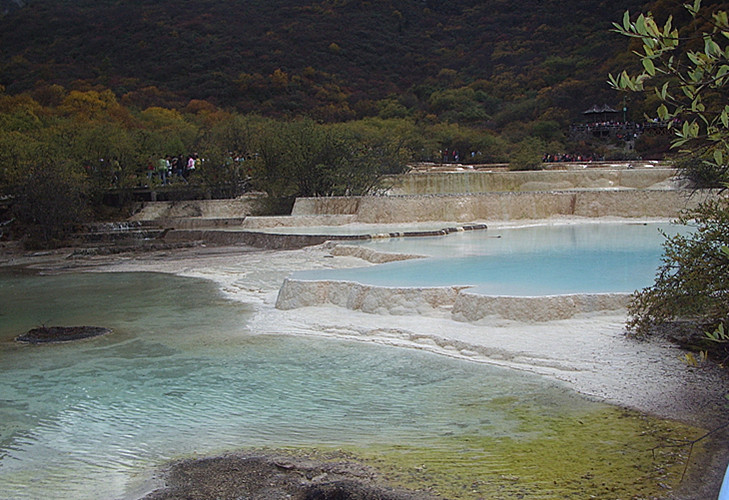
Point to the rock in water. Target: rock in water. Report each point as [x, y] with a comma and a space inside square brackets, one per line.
[47, 334]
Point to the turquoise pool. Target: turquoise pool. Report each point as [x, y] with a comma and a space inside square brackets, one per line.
[537, 260]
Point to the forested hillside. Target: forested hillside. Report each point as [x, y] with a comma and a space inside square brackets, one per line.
[291, 97]
[481, 62]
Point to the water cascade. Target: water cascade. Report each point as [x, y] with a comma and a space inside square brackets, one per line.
[465, 181]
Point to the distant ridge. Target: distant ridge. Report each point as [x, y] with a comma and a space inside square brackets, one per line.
[468, 61]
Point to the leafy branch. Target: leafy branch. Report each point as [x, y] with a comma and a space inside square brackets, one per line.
[690, 83]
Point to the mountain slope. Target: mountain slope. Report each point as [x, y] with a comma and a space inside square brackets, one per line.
[328, 53]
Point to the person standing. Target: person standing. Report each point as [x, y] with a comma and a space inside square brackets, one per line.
[162, 166]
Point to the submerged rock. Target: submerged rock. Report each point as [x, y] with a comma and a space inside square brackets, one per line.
[275, 477]
[47, 334]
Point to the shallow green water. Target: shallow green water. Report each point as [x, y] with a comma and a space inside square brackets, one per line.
[183, 374]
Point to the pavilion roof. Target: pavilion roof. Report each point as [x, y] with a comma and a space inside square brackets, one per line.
[599, 110]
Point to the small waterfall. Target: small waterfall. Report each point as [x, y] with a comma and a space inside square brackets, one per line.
[124, 232]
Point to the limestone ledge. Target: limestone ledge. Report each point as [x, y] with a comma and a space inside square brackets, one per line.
[373, 256]
[366, 298]
[207, 209]
[653, 177]
[471, 307]
[464, 208]
[462, 304]
[294, 221]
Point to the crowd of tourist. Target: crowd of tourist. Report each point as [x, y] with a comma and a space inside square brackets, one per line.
[568, 157]
[170, 167]
[455, 156]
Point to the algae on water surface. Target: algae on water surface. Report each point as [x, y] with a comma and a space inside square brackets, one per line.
[605, 453]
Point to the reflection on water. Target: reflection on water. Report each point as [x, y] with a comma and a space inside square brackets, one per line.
[181, 374]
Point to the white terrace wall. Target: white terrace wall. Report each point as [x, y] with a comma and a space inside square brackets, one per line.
[462, 305]
[204, 209]
[542, 180]
[504, 206]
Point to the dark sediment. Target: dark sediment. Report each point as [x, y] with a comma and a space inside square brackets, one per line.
[50, 334]
[265, 476]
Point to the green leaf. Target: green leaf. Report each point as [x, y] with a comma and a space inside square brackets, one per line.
[652, 27]
[672, 41]
[723, 70]
[718, 335]
[718, 157]
[649, 66]
[662, 112]
[693, 57]
[696, 75]
[711, 48]
[613, 82]
[724, 117]
[626, 20]
[626, 82]
[694, 129]
[693, 9]
[690, 130]
[721, 18]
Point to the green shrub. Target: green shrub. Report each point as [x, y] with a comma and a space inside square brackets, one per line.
[50, 201]
[692, 283]
[701, 173]
[528, 155]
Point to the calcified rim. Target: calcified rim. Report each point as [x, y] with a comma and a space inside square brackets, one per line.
[464, 303]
